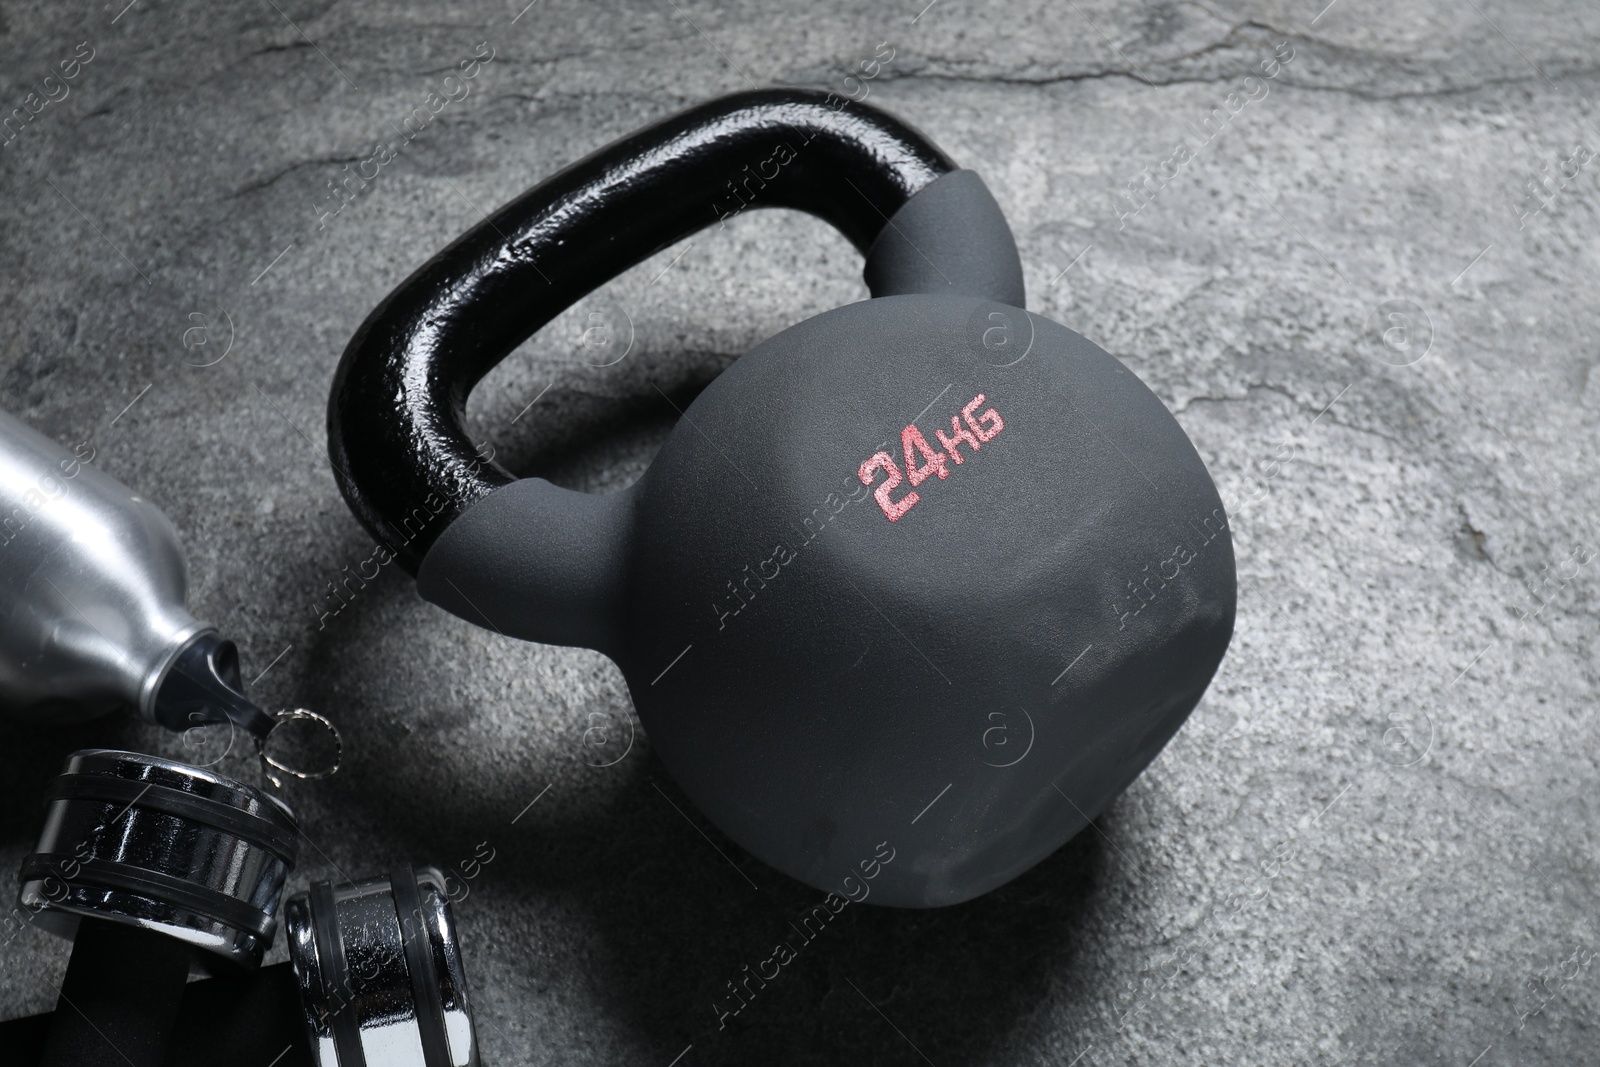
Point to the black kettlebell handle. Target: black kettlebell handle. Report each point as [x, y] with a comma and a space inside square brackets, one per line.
[395, 419]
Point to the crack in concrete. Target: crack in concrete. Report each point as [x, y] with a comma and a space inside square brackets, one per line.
[1300, 405]
[292, 45]
[1346, 90]
[258, 185]
[1250, 387]
[1330, 52]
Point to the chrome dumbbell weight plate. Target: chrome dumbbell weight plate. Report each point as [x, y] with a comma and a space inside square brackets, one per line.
[380, 972]
[156, 844]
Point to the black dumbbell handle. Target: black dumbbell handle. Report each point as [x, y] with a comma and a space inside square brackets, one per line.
[402, 459]
[119, 1001]
[251, 1020]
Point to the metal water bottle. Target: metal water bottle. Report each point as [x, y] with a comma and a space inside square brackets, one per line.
[92, 587]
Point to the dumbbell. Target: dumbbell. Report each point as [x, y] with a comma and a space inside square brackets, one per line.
[162, 869]
[154, 869]
[94, 583]
[379, 972]
[873, 541]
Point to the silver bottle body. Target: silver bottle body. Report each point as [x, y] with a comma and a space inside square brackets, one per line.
[92, 585]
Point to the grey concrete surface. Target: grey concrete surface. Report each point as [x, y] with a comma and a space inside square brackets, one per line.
[1374, 842]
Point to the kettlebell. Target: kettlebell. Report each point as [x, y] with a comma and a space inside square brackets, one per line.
[913, 589]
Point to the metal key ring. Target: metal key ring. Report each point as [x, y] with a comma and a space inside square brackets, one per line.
[270, 765]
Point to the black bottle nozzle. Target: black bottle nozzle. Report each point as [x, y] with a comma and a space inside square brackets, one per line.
[202, 686]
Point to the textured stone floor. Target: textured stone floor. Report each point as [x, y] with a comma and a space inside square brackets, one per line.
[1374, 842]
